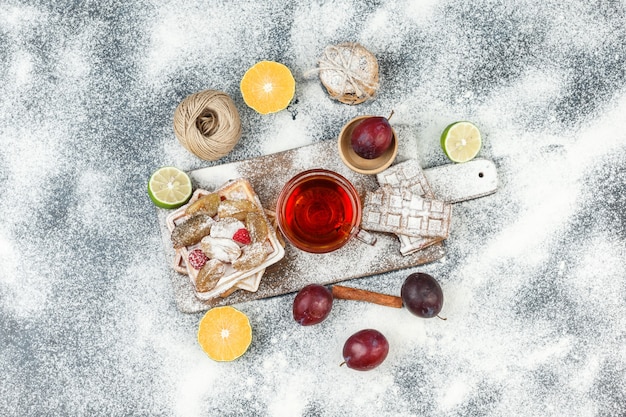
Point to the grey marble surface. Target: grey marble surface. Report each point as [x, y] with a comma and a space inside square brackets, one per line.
[534, 276]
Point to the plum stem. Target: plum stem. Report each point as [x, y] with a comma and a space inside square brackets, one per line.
[391, 114]
[342, 363]
[442, 318]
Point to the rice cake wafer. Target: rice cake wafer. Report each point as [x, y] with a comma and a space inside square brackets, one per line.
[409, 175]
[399, 211]
[412, 244]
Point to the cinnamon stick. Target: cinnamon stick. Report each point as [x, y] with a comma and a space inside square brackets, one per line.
[348, 293]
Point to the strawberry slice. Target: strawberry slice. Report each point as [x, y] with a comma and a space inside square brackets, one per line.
[242, 236]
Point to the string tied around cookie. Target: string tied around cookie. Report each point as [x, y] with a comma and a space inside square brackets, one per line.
[343, 65]
[349, 72]
[207, 124]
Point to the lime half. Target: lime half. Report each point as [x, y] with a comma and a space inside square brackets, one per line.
[169, 188]
[461, 141]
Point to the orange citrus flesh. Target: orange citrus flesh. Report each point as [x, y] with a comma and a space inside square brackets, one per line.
[224, 333]
[268, 87]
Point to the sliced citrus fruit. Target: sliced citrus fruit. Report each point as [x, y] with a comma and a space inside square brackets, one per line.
[224, 333]
[461, 141]
[169, 188]
[268, 87]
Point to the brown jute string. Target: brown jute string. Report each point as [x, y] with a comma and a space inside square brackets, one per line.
[207, 124]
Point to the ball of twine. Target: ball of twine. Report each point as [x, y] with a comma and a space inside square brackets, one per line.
[207, 124]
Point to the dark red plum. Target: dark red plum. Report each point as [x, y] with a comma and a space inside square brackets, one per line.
[365, 350]
[422, 295]
[312, 304]
[371, 137]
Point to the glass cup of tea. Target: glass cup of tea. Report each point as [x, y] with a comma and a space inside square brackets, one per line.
[318, 211]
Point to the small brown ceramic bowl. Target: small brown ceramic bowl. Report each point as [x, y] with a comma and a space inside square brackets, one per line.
[359, 164]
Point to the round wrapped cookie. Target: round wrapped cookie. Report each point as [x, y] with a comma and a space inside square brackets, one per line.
[349, 72]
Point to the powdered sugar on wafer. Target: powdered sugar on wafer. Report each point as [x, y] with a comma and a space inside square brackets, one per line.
[409, 175]
[399, 211]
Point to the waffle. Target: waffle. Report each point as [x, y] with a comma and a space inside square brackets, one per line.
[232, 279]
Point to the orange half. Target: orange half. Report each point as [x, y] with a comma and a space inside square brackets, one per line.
[268, 87]
[224, 333]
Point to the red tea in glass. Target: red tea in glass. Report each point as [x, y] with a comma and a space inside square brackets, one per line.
[318, 211]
